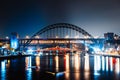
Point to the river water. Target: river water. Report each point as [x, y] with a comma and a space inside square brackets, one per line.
[62, 67]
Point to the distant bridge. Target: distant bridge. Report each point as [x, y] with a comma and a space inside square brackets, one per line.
[58, 34]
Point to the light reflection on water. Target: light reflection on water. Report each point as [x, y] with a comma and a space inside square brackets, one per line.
[37, 59]
[57, 63]
[65, 67]
[77, 66]
[103, 63]
[106, 63]
[3, 70]
[117, 66]
[28, 63]
[97, 65]
[86, 68]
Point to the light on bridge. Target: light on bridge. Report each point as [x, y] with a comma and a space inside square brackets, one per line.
[77, 36]
[57, 37]
[7, 37]
[96, 37]
[86, 36]
[67, 36]
[27, 37]
[37, 37]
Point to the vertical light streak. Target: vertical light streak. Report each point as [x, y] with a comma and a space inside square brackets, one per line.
[28, 68]
[3, 71]
[57, 63]
[97, 64]
[77, 66]
[111, 63]
[103, 63]
[117, 66]
[86, 67]
[8, 64]
[37, 63]
[106, 63]
[67, 67]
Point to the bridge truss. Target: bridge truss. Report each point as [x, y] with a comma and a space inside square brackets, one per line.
[61, 30]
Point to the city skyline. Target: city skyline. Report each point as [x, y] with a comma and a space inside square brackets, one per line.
[28, 17]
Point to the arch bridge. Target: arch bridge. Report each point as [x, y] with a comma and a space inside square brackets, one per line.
[59, 34]
[59, 31]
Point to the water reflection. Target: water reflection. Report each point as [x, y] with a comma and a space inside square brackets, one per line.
[77, 66]
[37, 63]
[57, 63]
[117, 66]
[111, 63]
[65, 67]
[103, 63]
[8, 64]
[3, 70]
[106, 63]
[97, 65]
[86, 68]
[28, 64]
[117, 69]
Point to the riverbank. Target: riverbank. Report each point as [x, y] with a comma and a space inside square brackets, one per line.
[18, 56]
[13, 56]
[106, 55]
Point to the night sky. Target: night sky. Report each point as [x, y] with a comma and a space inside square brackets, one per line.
[27, 17]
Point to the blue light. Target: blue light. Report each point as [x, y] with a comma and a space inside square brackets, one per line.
[3, 71]
[14, 42]
[30, 51]
[59, 74]
[96, 49]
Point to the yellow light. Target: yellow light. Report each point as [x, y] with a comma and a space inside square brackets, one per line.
[57, 63]
[67, 67]
[87, 63]
[37, 63]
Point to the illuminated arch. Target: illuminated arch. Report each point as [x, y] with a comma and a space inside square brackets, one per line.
[63, 25]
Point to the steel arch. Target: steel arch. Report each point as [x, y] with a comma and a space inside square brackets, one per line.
[63, 25]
